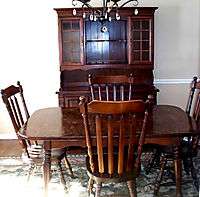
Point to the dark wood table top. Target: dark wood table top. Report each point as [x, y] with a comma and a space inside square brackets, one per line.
[66, 124]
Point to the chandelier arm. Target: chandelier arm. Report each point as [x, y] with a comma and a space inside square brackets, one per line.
[104, 7]
[106, 3]
[87, 5]
[136, 1]
[84, 3]
[114, 5]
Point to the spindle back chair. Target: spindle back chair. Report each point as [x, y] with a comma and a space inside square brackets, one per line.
[111, 88]
[189, 145]
[16, 106]
[120, 132]
[193, 104]
[13, 98]
[193, 109]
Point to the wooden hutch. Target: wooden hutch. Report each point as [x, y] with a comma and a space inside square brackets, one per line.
[105, 48]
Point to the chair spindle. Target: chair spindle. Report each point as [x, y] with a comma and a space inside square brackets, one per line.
[99, 92]
[114, 92]
[110, 146]
[107, 92]
[132, 133]
[15, 113]
[121, 146]
[99, 144]
[19, 111]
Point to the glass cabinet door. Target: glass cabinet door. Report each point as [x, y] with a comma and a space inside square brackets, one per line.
[71, 36]
[141, 51]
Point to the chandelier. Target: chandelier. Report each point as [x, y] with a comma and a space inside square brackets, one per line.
[103, 13]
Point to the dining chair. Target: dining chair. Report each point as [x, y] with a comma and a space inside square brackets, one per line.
[115, 154]
[120, 87]
[189, 145]
[13, 98]
[192, 143]
[111, 87]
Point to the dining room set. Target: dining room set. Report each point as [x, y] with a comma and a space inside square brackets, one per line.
[113, 129]
[107, 104]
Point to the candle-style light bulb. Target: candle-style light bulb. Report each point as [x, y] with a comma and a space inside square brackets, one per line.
[106, 15]
[117, 16]
[74, 12]
[91, 17]
[136, 11]
[95, 18]
[74, 2]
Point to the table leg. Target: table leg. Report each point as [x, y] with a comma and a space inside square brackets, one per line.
[178, 170]
[47, 166]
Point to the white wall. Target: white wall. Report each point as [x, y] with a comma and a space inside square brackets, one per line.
[29, 49]
[177, 49]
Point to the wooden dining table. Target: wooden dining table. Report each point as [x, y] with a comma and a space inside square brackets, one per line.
[63, 127]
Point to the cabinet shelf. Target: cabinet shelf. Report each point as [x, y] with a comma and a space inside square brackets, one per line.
[140, 30]
[71, 30]
[110, 40]
[141, 40]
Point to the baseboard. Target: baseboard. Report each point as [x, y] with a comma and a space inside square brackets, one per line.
[172, 81]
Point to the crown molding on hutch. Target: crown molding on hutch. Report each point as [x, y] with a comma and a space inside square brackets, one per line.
[172, 81]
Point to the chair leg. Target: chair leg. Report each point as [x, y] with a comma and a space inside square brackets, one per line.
[62, 179]
[194, 175]
[132, 188]
[90, 186]
[31, 169]
[193, 153]
[98, 189]
[160, 175]
[68, 165]
[178, 171]
[186, 165]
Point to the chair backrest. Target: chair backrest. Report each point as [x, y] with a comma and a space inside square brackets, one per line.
[193, 104]
[111, 88]
[193, 109]
[16, 106]
[115, 124]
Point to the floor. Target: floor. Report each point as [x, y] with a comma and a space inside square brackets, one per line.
[10, 148]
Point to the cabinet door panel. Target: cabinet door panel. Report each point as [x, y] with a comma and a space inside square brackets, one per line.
[136, 45]
[145, 35]
[145, 55]
[136, 35]
[140, 31]
[71, 41]
[145, 45]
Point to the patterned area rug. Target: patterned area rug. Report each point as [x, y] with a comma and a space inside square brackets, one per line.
[13, 181]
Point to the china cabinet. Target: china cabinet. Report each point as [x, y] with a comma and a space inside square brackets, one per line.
[105, 47]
